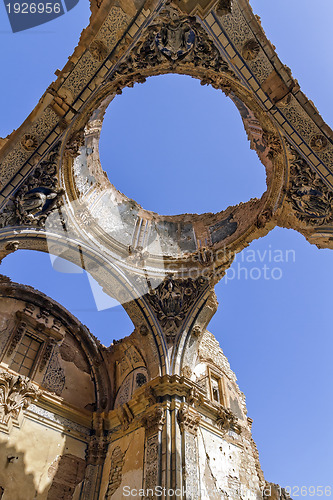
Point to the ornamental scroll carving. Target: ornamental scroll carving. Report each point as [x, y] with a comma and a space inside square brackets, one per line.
[174, 39]
[311, 199]
[188, 419]
[37, 197]
[16, 394]
[154, 420]
[172, 300]
[226, 420]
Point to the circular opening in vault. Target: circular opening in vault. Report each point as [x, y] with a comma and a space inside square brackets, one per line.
[177, 147]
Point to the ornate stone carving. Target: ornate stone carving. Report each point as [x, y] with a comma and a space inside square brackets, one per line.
[272, 142]
[226, 420]
[154, 419]
[115, 477]
[264, 217]
[143, 330]
[54, 378]
[188, 419]
[318, 142]
[151, 461]
[193, 396]
[171, 301]
[125, 416]
[19, 332]
[311, 199]
[98, 50]
[150, 395]
[16, 394]
[44, 315]
[96, 450]
[37, 197]
[98, 445]
[29, 308]
[223, 7]
[29, 143]
[250, 50]
[196, 331]
[176, 39]
[46, 354]
[56, 324]
[74, 144]
[9, 248]
[173, 39]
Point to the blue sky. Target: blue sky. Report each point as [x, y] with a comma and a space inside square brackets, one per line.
[276, 329]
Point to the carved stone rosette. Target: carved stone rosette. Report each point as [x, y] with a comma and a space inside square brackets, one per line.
[16, 394]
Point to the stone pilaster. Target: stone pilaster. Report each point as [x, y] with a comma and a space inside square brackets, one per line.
[153, 422]
[189, 420]
[95, 457]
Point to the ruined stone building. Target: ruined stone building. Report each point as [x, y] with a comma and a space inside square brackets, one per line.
[161, 407]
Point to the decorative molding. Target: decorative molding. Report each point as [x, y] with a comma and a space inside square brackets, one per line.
[318, 142]
[154, 419]
[46, 354]
[125, 416]
[193, 396]
[96, 450]
[58, 420]
[98, 50]
[150, 395]
[17, 393]
[72, 149]
[188, 419]
[54, 378]
[37, 197]
[310, 198]
[226, 420]
[175, 38]
[172, 300]
[29, 142]
[273, 143]
[16, 338]
[250, 50]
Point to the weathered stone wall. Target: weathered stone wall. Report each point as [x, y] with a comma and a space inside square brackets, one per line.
[123, 465]
[38, 462]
